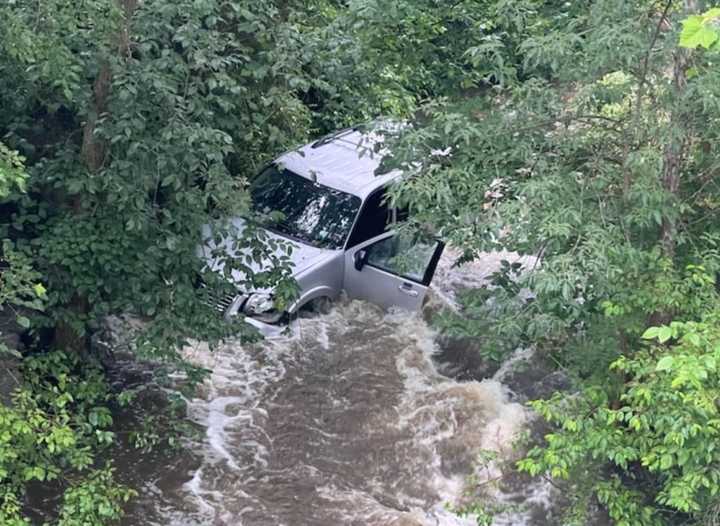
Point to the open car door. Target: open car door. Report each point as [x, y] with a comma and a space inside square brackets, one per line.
[392, 270]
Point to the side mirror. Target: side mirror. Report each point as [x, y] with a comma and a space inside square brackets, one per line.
[361, 257]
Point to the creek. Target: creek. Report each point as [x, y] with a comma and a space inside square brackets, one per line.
[353, 418]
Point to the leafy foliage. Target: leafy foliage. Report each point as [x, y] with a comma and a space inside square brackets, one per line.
[20, 288]
[701, 31]
[58, 421]
[139, 124]
[664, 427]
[587, 135]
[367, 58]
[595, 151]
[97, 500]
[12, 172]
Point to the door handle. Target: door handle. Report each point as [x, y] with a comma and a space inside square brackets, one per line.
[407, 289]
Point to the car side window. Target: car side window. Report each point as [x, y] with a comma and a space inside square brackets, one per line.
[403, 254]
[374, 219]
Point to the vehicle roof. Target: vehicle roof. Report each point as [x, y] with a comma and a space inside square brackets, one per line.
[345, 161]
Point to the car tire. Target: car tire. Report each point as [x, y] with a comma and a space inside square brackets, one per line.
[321, 305]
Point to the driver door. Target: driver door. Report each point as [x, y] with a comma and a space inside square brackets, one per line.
[392, 270]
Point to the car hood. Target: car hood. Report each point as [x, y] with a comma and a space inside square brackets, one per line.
[302, 256]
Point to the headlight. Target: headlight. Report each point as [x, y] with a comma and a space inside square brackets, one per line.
[262, 307]
[259, 304]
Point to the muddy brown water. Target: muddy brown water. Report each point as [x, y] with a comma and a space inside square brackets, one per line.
[346, 420]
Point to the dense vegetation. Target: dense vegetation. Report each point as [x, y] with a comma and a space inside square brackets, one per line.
[583, 132]
[596, 148]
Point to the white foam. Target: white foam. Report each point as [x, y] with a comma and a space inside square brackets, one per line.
[432, 414]
[450, 279]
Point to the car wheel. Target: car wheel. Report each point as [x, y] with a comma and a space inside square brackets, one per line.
[321, 305]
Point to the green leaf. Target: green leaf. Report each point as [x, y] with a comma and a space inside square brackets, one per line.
[23, 322]
[698, 31]
[664, 334]
[666, 461]
[39, 290]
[710, 363]
[651, 333]
[693, 338]
[665, 364]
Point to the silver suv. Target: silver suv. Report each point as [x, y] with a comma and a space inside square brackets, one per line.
[332, 198]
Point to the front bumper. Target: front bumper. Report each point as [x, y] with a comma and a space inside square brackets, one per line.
[231, 306]
[266, 329]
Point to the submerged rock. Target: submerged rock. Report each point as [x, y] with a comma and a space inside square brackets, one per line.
[530, 376]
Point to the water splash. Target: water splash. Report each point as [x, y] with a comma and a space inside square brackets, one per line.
[346, 420]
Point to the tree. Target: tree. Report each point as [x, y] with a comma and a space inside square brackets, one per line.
[12, 173]
[130, 115]
[594, 147]
[139, 123]
[19, 284]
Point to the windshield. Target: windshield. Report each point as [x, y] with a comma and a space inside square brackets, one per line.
[312, 213]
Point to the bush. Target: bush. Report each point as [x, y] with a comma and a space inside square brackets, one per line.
[656, 444]
[57, 423]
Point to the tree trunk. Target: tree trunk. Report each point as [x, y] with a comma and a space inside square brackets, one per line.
[93, 154]
[676, 147]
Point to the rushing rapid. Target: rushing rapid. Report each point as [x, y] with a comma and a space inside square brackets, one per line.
[344, 421]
